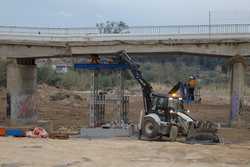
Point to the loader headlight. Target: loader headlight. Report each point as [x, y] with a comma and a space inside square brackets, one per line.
[162, 111]
[180, 98]
[188, 111]
[172, 111]
[170, 98]
[174, 94]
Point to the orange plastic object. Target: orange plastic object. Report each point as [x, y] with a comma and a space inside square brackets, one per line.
[2, 131]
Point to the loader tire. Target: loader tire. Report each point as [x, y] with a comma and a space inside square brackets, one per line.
[173, 133]
[150, 128]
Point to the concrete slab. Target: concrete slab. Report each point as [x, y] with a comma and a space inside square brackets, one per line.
[104, 133]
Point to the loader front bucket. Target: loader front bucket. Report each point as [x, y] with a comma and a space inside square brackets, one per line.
[203, 133]
[203, 138]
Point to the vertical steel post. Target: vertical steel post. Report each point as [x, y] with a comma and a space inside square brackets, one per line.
[93, 100]
[121, 97]
[209, 23]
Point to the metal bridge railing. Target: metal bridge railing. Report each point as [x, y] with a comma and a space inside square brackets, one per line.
[176, 29]
[46, 31]
[134, 32]
[192, 29]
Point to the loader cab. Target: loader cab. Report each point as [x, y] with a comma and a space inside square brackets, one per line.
[159, 103]
[176, 103]
[163, 102]
[166, 107]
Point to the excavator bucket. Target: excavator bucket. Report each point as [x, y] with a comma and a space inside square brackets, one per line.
[197, 131]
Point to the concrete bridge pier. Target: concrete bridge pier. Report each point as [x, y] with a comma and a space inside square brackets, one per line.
[238, 66]
[21, 86]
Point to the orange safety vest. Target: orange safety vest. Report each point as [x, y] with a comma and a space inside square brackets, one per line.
[192, 83]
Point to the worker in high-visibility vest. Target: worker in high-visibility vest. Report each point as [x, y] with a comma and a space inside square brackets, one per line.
[192, 82]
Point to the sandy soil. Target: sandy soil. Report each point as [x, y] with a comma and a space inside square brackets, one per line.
[17, 152]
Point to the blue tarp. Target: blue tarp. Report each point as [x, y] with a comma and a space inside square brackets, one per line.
[101, 66]
[15, 132]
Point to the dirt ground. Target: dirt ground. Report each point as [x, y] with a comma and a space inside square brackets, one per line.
[68, 111]
[17, 152]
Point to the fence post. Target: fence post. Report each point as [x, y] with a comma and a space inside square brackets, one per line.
[209, 20]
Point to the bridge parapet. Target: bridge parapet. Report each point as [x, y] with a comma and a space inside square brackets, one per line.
[147, 32]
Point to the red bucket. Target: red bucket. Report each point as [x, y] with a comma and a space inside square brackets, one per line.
[2, 131]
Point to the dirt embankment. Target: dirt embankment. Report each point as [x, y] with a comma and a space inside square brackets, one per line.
[68, 110]
[2, 104]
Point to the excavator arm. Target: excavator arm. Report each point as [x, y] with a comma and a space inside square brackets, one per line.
[175, 88]
[124, 58]
[179, 87]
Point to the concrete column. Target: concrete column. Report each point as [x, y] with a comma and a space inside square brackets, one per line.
[21, 86]
[237, 88]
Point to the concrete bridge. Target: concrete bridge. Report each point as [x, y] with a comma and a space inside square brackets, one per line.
[216, 40]
[25, 44]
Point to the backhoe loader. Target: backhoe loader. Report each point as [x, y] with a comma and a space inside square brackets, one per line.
[164, 115]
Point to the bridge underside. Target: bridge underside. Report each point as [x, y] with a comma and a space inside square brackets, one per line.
[200, 49]
[29, 49]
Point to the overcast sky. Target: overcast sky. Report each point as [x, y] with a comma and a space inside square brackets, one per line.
[82, 13]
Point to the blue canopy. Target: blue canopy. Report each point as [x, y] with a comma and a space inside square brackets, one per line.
[101, 66]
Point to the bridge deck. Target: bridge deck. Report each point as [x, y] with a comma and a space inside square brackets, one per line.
[215, 40]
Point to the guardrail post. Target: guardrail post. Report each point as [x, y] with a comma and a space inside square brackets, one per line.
[179, 29]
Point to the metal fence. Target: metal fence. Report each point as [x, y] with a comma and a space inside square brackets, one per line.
[111, 109]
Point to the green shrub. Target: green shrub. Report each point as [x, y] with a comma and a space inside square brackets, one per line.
[75, 80]
[46, 74]
[163, 73]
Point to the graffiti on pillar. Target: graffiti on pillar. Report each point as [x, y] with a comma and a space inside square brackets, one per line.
[235, 107]
[27, 107]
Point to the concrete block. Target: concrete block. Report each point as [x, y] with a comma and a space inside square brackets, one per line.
[103, 133]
